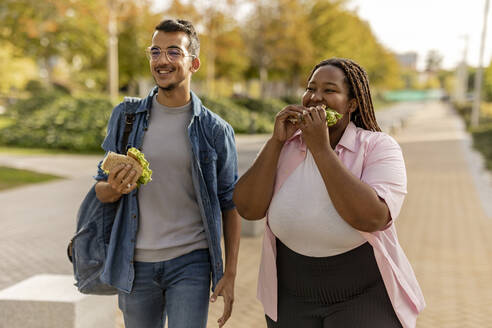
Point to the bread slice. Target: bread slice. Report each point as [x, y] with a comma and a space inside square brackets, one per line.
[113, 160]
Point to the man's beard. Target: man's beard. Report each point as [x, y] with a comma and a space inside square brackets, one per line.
[170, 87]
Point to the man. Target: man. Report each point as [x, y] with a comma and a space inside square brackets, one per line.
[165, 240]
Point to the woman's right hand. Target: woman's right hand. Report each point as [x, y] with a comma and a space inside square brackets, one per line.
[284, 129]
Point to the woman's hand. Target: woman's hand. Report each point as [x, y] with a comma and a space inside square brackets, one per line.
[315, 131]
[284, 129]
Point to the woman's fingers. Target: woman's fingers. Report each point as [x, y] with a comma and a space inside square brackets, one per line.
[308, 116]
[290, 110]
[321, 113]
[291, 114]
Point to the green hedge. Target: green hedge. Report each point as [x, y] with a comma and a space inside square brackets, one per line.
[482, 141]
[270, 107]
[58, 122]
[241, 119]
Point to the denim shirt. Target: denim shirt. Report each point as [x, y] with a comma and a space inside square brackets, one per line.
[214, 174]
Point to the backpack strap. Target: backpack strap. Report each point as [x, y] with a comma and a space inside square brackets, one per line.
[129, 119]
[131, 105]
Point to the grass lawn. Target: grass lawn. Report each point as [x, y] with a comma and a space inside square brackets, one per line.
[11, 178]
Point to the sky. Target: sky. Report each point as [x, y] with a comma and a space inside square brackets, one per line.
[424, 25]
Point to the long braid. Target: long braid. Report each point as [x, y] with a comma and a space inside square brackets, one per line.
[358, 83]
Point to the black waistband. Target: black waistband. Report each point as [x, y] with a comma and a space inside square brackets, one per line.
[327, 279]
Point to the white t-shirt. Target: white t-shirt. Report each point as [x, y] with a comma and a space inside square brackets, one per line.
[303, 217]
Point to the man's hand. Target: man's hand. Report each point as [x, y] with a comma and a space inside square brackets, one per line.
[225, 288]
[123, 179]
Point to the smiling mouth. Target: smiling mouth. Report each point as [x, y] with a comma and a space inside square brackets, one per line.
[164, 71]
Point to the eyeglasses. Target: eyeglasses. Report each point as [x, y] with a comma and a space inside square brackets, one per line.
[172, 54]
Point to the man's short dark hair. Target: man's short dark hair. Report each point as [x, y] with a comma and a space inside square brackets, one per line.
[181, 25]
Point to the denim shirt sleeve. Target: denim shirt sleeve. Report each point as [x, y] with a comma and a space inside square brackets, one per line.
[111, 140]
[227, 175]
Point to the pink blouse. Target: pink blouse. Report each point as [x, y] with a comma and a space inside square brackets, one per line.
[377, 160]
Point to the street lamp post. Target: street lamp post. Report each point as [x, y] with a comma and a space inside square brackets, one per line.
[478, 77]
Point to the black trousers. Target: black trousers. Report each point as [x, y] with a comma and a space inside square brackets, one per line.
[341, 291]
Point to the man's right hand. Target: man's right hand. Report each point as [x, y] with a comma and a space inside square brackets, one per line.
[121, 180]
[284, 129]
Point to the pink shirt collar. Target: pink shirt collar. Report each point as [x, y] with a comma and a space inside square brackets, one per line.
[347, 141]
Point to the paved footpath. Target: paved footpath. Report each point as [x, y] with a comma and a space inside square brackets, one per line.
[442, 227]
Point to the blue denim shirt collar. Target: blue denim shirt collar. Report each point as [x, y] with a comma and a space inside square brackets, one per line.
[146, 104]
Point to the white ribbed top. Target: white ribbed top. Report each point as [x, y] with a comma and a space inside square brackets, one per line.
[303, 217]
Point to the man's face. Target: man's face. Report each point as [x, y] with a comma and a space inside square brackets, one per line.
[169, 75]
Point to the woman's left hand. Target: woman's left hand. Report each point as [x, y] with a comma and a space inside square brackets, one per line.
[314, 130]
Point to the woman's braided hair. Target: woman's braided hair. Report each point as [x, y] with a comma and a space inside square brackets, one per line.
[358, 83]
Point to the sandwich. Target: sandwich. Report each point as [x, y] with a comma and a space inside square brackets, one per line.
[332, 116]
[133, 157]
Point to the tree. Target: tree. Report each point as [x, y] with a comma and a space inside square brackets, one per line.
[50, 30]
[433, 61]
[278, 41]
[15, 72]
[337, 32]
[136, 27]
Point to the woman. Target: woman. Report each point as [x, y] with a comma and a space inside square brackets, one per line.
[331, 257]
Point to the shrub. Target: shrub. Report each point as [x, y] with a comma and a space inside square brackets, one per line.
[482, 141]
[56, 120]
[269, 107]
[240, 118]
[59, 122]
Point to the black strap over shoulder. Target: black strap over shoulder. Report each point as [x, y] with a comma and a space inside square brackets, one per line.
[129, 119]
[131, 106]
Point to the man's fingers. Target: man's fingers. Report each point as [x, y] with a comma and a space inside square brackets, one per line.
[227, 311]
[120, 182]
[129, 178]
[216, 293]
[122, 174]
[129, 183]
[114, 172]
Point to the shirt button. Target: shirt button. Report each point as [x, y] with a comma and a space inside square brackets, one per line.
[134, 216]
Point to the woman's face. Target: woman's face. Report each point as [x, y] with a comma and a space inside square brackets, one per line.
[327, 86]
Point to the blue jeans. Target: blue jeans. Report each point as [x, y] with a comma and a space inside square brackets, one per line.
[178, 288]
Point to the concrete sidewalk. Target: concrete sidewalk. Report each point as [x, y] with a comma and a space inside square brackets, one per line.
[442, 226]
